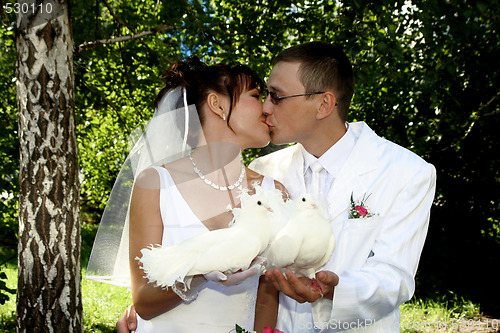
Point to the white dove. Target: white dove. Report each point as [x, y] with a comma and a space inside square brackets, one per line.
[306, 243]
[223, 250]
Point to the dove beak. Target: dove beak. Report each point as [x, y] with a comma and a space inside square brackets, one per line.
[269, 209]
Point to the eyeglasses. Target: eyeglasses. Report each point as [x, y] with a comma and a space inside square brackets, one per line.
[275, 98]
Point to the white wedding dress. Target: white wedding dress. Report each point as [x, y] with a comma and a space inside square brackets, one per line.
[217, 308]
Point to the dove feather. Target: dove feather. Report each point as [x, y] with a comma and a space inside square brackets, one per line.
[224, 250]
[306, 243]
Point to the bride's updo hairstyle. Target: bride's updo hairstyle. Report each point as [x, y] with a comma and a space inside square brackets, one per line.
[200, 79]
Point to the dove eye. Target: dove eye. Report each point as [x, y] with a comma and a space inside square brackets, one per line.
[259, 203]
[303, 199]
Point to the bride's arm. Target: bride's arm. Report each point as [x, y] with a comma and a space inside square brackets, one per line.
[146, 228]
[266, 308]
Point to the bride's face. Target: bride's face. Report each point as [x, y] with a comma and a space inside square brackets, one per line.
[248, 121]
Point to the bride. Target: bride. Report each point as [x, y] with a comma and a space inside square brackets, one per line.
[187, 172]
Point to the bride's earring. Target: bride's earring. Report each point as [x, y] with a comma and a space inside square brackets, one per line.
[224, 116]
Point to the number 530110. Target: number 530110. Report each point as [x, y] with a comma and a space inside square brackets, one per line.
[25, 8]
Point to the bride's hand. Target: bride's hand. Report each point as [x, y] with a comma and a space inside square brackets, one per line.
[256, 267]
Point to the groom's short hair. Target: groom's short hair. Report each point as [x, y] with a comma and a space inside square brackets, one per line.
[323, 67]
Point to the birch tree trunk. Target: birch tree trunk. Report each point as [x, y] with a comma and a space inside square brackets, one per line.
[49, 286]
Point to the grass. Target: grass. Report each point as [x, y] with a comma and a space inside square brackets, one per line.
[8, 310]
[442, 314]
[103, 304]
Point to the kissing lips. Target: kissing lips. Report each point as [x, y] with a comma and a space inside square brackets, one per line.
[268, 126]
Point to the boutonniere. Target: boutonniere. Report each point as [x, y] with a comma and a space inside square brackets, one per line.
[358, 209]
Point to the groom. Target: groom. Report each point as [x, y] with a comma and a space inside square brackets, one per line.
[378, 194]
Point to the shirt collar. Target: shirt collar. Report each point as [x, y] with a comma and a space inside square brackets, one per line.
[335, 157]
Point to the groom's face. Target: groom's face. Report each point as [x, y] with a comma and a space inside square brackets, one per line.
[291, 119]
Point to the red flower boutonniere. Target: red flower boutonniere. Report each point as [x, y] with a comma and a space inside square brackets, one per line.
[358, 209]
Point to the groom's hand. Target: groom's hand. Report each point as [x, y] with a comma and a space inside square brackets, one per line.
[128, 321]
[327, 281]
[303, 289]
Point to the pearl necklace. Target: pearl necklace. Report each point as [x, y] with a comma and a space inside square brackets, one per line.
[215, 186]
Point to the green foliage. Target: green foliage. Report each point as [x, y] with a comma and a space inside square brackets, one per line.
[427, 77]
[9, 156]
[239, 329]
[9, 151]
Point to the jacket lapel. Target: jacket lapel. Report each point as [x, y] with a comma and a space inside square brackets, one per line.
[285, 166]
[295, 173]
[356, 173]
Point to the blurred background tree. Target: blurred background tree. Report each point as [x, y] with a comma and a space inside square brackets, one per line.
[427, 78]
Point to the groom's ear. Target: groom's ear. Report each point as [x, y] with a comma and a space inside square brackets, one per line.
[327, 106]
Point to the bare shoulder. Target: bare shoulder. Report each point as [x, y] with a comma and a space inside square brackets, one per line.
[283, 189]
[148, 179]
[253, 176]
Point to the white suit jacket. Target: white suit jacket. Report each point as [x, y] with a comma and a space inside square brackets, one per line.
[376, 258]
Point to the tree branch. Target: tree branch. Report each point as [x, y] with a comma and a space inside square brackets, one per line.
[94, 44]
[481, 107]
[5, 20]
[113, 106]
[469, 129]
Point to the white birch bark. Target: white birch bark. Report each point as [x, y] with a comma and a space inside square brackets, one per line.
[49, 286]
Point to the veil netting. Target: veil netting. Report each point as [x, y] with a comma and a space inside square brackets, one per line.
[172, 134]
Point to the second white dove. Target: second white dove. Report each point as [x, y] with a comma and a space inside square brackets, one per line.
[306, 243]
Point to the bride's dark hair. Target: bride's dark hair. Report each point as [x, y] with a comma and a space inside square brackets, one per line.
[200, 80]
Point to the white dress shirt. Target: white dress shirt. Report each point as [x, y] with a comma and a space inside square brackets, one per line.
[332, 161]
